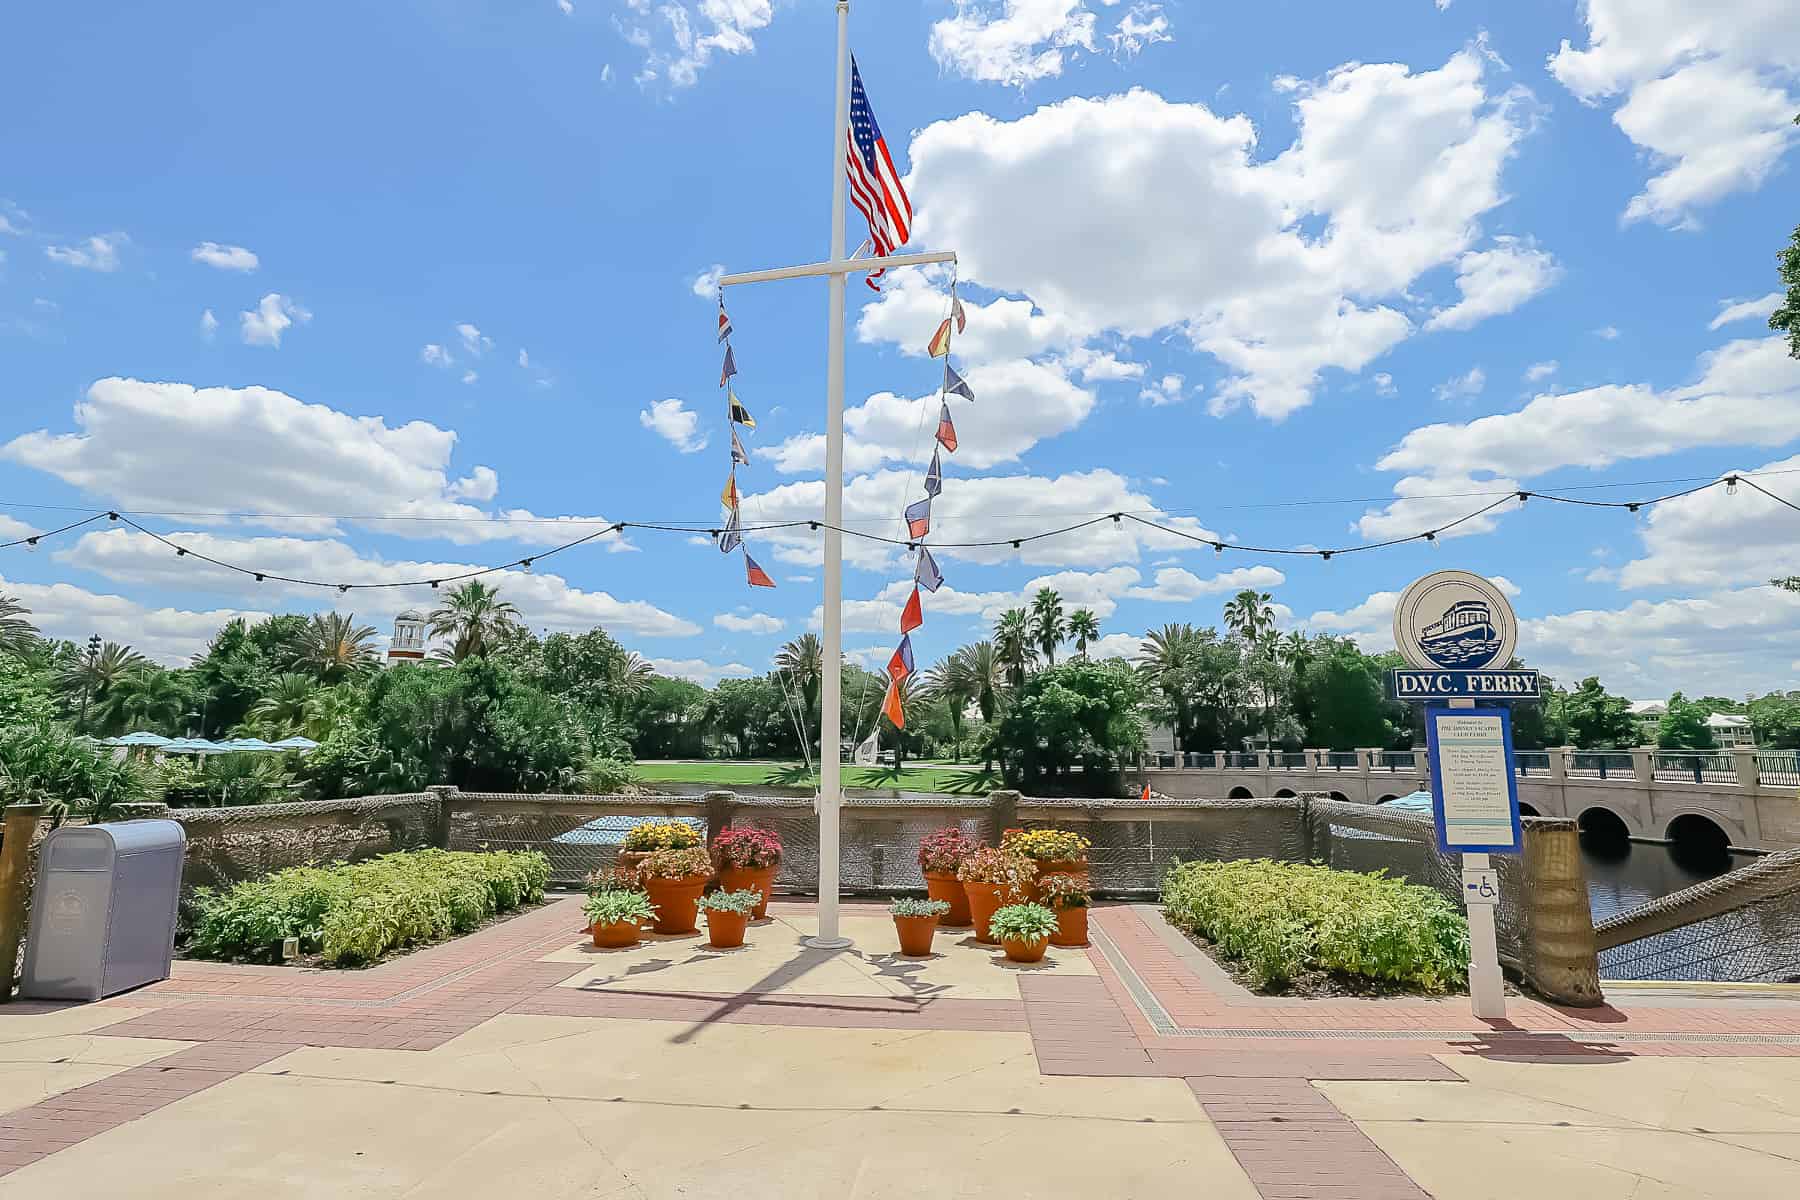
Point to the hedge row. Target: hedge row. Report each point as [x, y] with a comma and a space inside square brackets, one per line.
[1282, 919]
[355, 913]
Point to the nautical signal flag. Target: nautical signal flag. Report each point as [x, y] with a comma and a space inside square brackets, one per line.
[730, 539]
[913, 615]
[946, 434]
[740, 414]
[934, 478]
[901, 664]
[738, 453]
[1146, 794]
[956, 311]
[956, 385]
[918, 518]
[724, 321]
[940, 341]
[729, 497]
[757, 576]
[926, 574]
[890, 705]
[730, 367]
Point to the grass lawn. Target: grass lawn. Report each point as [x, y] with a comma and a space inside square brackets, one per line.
[953, 780]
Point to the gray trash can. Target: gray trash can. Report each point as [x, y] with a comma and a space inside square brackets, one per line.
[103, 913]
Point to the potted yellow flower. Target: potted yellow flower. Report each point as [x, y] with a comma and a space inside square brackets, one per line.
[1052, 851]
[647, 837]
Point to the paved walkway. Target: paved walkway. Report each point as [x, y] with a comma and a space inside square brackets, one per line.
[521, 1058]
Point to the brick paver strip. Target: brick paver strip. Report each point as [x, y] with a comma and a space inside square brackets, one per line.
[1293, 1142]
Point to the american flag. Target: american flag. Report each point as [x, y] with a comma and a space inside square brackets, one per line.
[875, 186]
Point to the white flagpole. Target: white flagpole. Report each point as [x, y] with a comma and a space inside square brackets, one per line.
[832, 681]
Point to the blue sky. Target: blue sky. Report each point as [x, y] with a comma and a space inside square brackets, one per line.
[1286, 273]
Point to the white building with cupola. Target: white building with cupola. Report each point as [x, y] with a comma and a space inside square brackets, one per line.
[408, 643]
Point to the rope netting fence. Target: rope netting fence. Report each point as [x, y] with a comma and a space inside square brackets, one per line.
[1743, 927]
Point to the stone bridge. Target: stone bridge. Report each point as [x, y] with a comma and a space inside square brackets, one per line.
[1748, 798]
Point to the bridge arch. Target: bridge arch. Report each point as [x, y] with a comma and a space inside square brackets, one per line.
[1240, 793]
[1340, 796]
[1698, 835]
[1386, 796]
[1602, 824]
[1285, 794]
[1526, 810]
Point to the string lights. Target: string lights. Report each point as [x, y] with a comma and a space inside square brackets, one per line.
[1219, 546]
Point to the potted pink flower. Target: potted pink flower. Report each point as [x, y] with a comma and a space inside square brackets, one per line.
[748, 858]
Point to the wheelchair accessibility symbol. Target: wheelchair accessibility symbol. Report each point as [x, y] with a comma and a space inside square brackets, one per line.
[1481, 887]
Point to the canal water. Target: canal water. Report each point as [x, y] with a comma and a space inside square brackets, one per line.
[1622, 875]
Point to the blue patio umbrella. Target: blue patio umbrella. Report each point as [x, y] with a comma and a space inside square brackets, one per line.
[140, 738]
[251, 744]
[297, 743]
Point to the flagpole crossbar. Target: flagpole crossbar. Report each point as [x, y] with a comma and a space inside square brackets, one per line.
[847, 266]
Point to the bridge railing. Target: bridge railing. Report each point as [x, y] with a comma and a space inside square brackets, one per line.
[1695, 767]
[1779, 768]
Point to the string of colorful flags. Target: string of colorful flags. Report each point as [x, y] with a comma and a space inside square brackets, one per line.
[731, 537]
[926, 575]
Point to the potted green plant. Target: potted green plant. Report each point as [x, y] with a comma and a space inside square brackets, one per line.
[940, 853]
[1023, 930]
[1053, 851]
[616, 917]
[647, 837]
[748, 859]
[1067, 897]
[728, 916]
[916, 921]
[674, 880]
[993, 877]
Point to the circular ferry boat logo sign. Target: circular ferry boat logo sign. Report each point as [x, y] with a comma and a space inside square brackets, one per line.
[1454, 619]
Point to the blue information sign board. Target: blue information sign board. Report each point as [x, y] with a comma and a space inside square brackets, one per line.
[1474, 787]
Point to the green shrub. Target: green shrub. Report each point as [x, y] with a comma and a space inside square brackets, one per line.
[357, 912]
[911, 906]
[1281, 919]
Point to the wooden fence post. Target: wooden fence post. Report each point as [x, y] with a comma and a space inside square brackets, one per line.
[1563, 963]
[16, 835]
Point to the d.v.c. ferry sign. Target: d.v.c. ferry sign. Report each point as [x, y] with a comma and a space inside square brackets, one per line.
[1457, 632]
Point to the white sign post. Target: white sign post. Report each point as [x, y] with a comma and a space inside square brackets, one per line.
[1460, 628]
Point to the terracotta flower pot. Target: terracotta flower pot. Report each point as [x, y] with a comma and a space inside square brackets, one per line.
[1071, 927]
[630, 860]
[725, 930]
[1077, 867]
[677, 902]
[1026, 952]
[949, 889]
[761, 879]
[915, 935]
[615, 935]
[985, 899]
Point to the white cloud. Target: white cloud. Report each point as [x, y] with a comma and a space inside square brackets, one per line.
[606, 73]
[470, 376]
[225, 258]
[1144, 25]
[914, 300]
[706, 283]
[1432, 501]
[1462, 387]
[482, 484]
[273, 315]
[209, 324]
[1012, 41]
[1176, 585]
[474, 342]
[1371, 623]
[435, 355]
[1496, 281]
[98, 253]
[1397, 167]
[1101, 366]
[1716, 539]
[175, 447]
[545, 599]
[1705, 87]
[692, 33]
[1609, 333]
[1384, 384]
[566, 7]
[698, 670]
[1164, 391]
[1540, 370]
[749, 623]
[168, 635]
[1019, 404]
[1744, 310]
[1116, 645]
[524, 358]
[675, 423]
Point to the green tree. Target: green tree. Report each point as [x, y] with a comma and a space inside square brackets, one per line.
[473, 617]
[17, 635]
[91, 674]
[1196, 685]
[1082, 714]
[27, 692]
[668, 719]
[1349, 705]
[1249, 615]
[1683, 726]
[1786, 319]
[285, 708]
[1597, 719]
[334, 647]
[1048, 626]
[1084, 627]
[1775, 720]
[45, 763]
[148, 698]
[951, 681]
[1015, 645]
[987, 677]
[627, 676]
[802, 662]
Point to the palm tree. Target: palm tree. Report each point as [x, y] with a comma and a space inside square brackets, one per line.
[987, 677]
[1249, 615]
[473, 616]
[627, 677]
[1789, 584]
[802, 662]
[1084, 627]
[952, 681]
[93, 673]
[1013, 643]
[285, 708]
[330, 708]
[147, 698]
[1048, 628]
[17, 635]
[335, 646]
